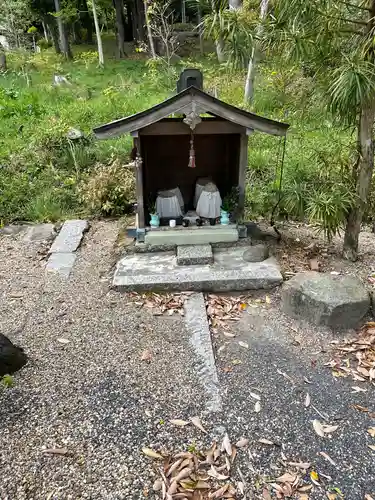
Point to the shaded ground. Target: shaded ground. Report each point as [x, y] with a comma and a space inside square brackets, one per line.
[87, 390]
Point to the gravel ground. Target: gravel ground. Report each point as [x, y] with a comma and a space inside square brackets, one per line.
[277, 346]
[87, 390]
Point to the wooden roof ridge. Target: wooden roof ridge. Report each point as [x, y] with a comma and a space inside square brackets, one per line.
[179, 103]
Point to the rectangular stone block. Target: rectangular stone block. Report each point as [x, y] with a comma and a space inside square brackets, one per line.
[191, 255]
[61, 263]
[193, 236]
[70, 236]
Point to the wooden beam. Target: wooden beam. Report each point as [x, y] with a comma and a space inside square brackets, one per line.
[242, 173]
[139, 187]
[180, 128]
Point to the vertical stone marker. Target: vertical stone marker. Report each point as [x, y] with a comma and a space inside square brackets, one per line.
[62, 251]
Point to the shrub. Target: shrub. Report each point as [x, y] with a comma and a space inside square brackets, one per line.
[109, 189]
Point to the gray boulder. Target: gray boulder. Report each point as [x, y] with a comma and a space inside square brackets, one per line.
[256, 253]
[340, 302]
[12, 358]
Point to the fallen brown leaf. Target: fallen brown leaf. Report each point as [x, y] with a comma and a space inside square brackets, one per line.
[307, 400]
[179, 423]
[266, 441]
[227, 445]
[56, 451]
[151, 453]
[242, 443]
[371, 431]
[286, 478]
[327, 457]
[197, 422]
[318, 428]
[146, 356]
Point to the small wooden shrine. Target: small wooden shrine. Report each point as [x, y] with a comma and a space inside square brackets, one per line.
[190, 136]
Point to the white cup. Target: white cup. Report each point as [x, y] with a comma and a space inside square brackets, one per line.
[172, 223]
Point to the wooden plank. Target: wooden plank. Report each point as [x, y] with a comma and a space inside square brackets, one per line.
[180, 128]
[242, 173]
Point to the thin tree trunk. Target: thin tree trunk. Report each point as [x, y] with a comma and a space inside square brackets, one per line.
[54, 34]
[98, 34]
[45, 31]
[120, 25]
[364, 171]
[199, 15]
[183, 12]
[3, 61]
[220, 47]
[365, 165]
[64, 43]
[254, 58]
[149, 33]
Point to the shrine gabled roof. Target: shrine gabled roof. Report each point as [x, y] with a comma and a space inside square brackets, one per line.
[181, 103]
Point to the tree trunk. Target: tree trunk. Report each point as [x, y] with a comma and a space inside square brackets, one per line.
[98, 34]
[183, 12]
[149, 33]
[64, 42]
[3, 62]
[220, 46]
[51, 23]
[199, 15]
[45, 31]
[120, 28]
[254, 58]
[86, 20]
[364, 171]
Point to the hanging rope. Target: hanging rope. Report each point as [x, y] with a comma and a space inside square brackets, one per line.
[272, 220]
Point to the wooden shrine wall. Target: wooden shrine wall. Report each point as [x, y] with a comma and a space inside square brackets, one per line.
[166, 157]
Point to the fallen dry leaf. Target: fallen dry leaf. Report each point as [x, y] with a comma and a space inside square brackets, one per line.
[307, 400]
[197, 422]
[179, 423]
[266, 441]
[63, 341]
[157, 485]
[151, 453]
[255, 396]
[371, 431]
[314, 476]
[318, 428]
[327, 457]
[227, 445]
[300, 465]
[242, 443]
[266, 494]
[257, 407]
[56, 451]
[243, 344]
[371, 446]
[286, 478]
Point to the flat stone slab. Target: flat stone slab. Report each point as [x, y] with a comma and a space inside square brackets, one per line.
[256, 253]
[39, 232]
[197, 325]
[192, 236]
[340, 302]
[192, 255]
[70, 236]
[160, 271]
[61, 263]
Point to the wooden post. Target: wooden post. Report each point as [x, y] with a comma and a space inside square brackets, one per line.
[242, 173]
[139, 192]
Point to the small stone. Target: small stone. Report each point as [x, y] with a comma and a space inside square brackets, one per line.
[74, 134]
[340, 302]
[40, 232]
[12, 358]
[256, 253]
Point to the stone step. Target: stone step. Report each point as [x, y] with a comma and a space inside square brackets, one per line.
[159, 271]
[193, 255]
[192, 236]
